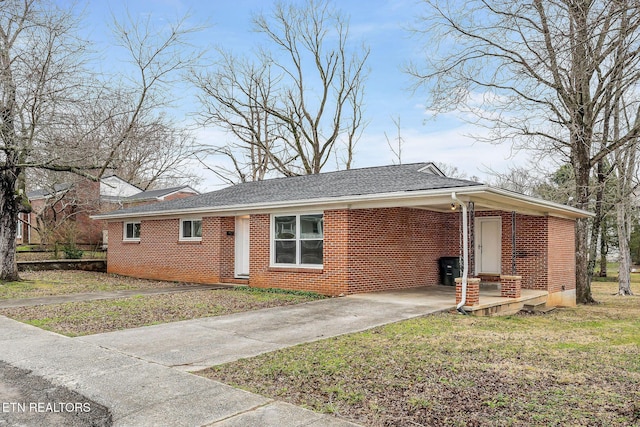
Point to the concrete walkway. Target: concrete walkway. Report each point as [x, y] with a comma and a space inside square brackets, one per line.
[132, 372]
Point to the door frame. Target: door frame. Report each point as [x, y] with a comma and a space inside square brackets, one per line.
[241, 253]
[477, 239]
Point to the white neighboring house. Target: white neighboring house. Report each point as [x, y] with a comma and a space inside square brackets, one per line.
[114, 186]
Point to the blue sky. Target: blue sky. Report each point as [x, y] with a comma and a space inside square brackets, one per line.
[382, 25]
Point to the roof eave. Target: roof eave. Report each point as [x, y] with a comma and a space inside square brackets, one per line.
[379, 200]
[347, 201]
[541, 205]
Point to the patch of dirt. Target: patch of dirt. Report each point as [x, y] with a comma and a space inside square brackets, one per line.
[30, 401]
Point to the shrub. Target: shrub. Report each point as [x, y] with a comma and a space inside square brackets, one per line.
[72, 252]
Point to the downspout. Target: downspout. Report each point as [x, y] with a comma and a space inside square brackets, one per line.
[465, 253]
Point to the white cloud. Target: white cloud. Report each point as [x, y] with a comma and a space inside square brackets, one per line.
[452, 146]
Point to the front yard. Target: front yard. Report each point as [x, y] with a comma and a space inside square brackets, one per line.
[91, 317]
[576, 366]
[64, 282]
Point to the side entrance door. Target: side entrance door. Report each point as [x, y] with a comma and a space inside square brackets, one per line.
[242, 247]
[488, 245]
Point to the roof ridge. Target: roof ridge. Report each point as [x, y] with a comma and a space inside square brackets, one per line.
[332, 172]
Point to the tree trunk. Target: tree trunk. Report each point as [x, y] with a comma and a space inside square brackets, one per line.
[8, 226]
[583, 278]
[604, 248]
[624, 272]
[598, 221]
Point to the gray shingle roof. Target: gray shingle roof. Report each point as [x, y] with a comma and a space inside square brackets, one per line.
[46, 192]
[354, 182]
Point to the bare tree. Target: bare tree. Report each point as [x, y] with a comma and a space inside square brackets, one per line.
[157, 157]
[540, 74]
[61, 207]
[626, 171]
[55, 114]
[626, 168]
[237, 97]
[520, 179]
[142, 142]
[295, 104]
[396, 147]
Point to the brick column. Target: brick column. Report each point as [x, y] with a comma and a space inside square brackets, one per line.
[511, 286]
[473, 291]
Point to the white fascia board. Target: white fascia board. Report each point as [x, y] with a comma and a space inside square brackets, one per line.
[534, 204]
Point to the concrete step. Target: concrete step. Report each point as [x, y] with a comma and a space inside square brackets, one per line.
[534, 305]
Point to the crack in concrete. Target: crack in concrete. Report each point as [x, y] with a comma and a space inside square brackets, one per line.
[252, 409]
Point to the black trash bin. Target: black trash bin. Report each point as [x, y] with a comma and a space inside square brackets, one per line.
[449, 270]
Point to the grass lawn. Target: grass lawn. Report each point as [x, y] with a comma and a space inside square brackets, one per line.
[575, 366]
[90, 317]
[61, 282]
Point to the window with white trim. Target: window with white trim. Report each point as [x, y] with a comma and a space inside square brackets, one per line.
[297, 239]
[191, 229]
[132, 230]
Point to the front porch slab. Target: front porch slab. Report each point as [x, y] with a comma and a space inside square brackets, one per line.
[491, 302]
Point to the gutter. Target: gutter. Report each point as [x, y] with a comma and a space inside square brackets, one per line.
[465, 253]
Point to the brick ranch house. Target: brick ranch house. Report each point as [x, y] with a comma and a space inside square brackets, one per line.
[338, 233]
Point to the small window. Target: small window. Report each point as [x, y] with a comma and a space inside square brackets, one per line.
[191, 229]
[298, 240]
[132, 231]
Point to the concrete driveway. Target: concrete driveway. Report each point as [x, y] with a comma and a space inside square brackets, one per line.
[137, 393]
[196, 344]
[133, 374]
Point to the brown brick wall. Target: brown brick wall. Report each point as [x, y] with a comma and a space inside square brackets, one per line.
[364, 250]
[331, 279]
[562, 259]
[530, 251]
[398, 248]
[160, 255]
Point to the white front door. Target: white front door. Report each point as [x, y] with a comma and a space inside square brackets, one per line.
[488, 245]
[242, 247]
